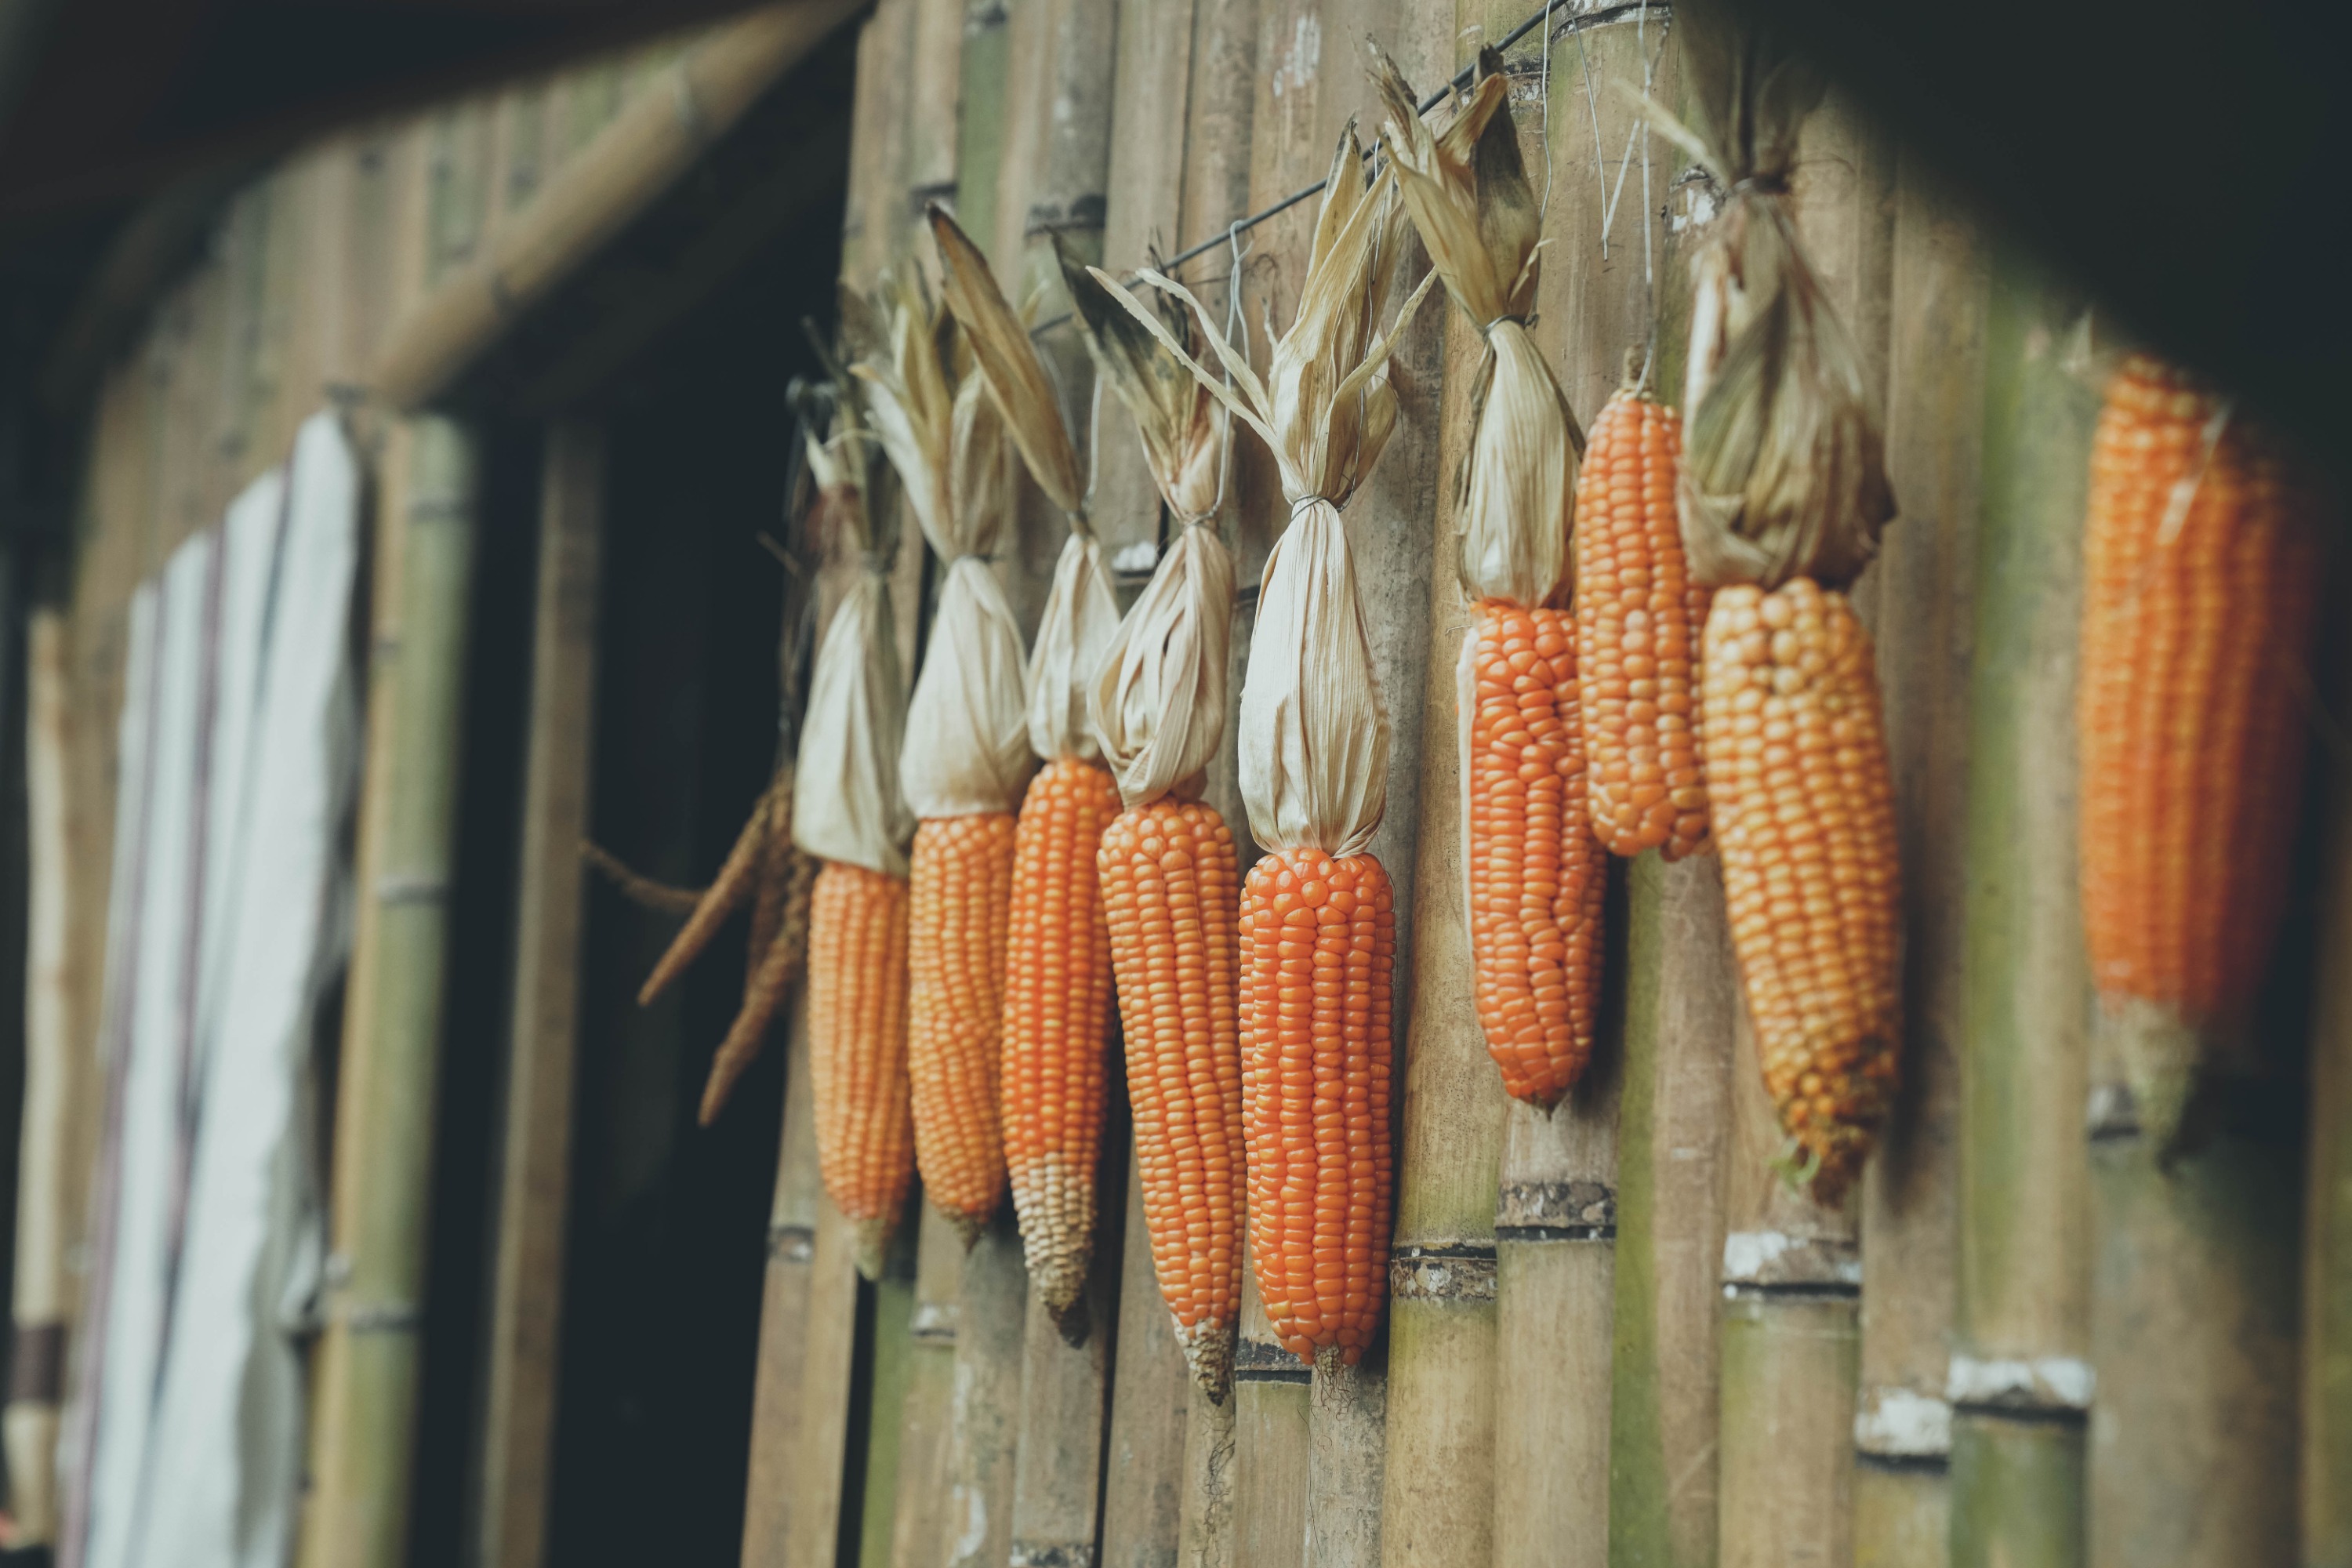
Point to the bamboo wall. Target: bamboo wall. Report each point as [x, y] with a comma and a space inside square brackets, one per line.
[1616, 1337]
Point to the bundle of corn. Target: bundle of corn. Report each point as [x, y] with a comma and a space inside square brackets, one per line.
[847, 813]
[1057, 975]
[1319, 919]
[1782, 498]
[1535, 874]
[1171, 887]
[2203, 560]
[967, 752]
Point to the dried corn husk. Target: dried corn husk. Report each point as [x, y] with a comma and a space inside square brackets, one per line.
[967, 745]
[1158, 703]
[1783, 470]
[1314, 732]
[1081, 612]
[1182, 426]
[846, 801]
[1469, 198]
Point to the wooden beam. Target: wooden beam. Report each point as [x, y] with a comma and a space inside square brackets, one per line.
[534, 1190]
[653, 141]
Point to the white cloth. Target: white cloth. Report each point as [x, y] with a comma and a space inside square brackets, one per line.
[231, 911]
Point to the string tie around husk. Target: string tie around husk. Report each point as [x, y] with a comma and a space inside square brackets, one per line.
[1314, 731]
[1784, 465]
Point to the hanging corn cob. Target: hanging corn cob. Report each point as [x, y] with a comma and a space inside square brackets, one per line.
[967, 752]
[2204, 562]
[1638, 621]
[847, 813]
[1170, 890]
[1534, 872]
[1318, 919]
[1782, 498]
[1058, 974]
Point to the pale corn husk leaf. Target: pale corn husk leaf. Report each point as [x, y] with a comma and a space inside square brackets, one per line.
[1182, 427]
[967, 745]
[1158, 703]
[1478, 216]
[1080, 620]
[1783, 467]
[1016, 377]
[910, 405]
[846, 804]
[1314, 734]
[980, 473]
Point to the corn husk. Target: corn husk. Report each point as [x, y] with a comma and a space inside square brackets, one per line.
[1158, 702]
[1314, 731]
[1783, 468]
[846, 801]
[1081, 612]
[967, 742]
[1182, 426]
[1478, 219]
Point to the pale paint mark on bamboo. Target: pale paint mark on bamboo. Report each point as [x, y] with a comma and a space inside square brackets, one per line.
[2043, 1382]
[1903, 1422]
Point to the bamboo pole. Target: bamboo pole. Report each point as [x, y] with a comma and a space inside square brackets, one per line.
[2326, 1378]
[42, 1296]
[1923, 621]
[638, 156]
[2018, 1382]
[370, 1353]
[983, 1424]
[1065, 1395]
[1150, 1400]
[918, 1527]
[775, 1462]
[527, 1290]
[892, 1363]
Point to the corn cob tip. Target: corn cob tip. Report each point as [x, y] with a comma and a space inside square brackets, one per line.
[873, 1247]
[1071, 1320]
[968, 1227]
[1209, 1352]
[2161, 1051]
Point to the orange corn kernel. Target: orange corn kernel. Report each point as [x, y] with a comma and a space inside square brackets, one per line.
[962, 892]
[857, 1049]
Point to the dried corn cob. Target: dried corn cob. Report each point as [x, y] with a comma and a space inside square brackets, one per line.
[857, 1049]
[775, 964]
[2204, 566]
[962, 885]
[1804, 818]
[1319, 936]
[1169, 896]
[1638, 618]
[1535, 873]
[1057, 1010]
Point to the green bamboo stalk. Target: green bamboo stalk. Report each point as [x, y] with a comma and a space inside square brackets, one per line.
[369, 1358]
[2019, 1382]
[2326, 1468]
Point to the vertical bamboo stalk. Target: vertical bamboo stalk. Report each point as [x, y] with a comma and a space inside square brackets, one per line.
[1923, 625]
[918, 1525]
[983, 1420]
[1065, 1378]
[2018, 1382]
[527, 1290]
[2326, 1381]
[775, 1457]
[1144, 1478]
[41, 1295]
[369, 1356]
[892, 1363]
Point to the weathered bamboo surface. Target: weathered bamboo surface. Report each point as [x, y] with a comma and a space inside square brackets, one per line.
[1909, 1236]
[2325, 1469]
[2020, 1381]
